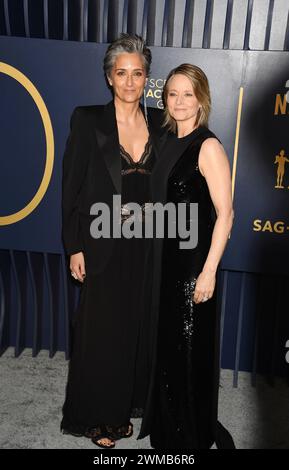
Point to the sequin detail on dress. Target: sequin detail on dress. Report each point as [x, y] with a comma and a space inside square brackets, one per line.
[188, 289]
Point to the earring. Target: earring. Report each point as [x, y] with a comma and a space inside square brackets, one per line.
[145, 107]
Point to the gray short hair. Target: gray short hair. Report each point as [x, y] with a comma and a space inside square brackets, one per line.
[127, 43]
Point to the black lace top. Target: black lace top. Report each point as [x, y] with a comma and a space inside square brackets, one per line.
[143, 165]
[136, 178]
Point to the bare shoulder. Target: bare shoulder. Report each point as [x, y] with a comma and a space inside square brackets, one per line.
[212, 156]
[212, 150]
[212, 145]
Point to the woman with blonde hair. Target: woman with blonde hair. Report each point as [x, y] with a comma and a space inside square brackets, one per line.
[194, 168]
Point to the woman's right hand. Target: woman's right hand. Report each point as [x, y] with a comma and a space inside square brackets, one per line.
[77, 266]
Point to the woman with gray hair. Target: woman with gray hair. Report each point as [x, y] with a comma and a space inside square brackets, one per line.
[110, 154]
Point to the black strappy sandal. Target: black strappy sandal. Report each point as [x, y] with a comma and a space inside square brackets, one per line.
[113, 433]
[97, 442]
[101, 432]
[124, 431]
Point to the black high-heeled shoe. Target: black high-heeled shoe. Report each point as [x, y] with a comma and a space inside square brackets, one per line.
[99, 433]
[97, 442]
[111, 433]
[125, 431]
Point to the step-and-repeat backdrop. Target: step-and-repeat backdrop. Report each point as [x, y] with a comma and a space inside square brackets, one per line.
[41, 81]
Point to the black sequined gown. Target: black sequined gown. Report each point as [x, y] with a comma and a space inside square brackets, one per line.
[186, 381]
[110, 365]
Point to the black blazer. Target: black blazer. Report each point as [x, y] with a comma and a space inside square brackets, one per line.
[92, 173]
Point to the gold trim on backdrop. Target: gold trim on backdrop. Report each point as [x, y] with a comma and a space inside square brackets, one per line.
[237, 140]
[31, 89]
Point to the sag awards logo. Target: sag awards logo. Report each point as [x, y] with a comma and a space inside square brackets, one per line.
[281, 166]
[154, 91]
[282, 102]
[281, 108]
[24, 81]
[280, 161]
[279, 226]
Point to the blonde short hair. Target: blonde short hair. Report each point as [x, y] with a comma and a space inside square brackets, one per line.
[201, 89]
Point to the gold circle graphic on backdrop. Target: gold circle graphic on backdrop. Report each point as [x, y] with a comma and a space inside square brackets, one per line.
[38, 100]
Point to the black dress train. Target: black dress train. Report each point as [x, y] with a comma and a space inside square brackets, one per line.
[186, 381]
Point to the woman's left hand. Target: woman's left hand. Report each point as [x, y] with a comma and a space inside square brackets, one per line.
[205, 286]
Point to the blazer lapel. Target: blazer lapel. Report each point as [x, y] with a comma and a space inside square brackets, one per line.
[108, 143]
